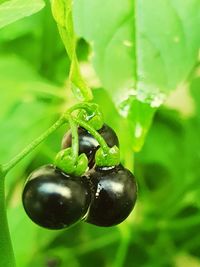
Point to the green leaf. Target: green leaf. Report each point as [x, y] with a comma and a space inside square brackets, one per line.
[20, 28]
[106, 30]
[13, 10]
[142, 49]
[19, 82]
[142, 43]
[140, 115]
[62, 12]
[28, 106]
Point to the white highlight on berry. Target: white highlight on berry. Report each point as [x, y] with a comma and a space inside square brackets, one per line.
[56, 189]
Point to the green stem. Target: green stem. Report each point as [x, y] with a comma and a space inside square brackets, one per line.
[62, 13]
[123, 246]
[93, 132]
[85, 106]
[8, 166]
[6, 251]
[122, 252]
[75, 141]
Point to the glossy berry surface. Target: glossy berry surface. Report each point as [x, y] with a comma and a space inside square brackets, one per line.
[88, 144]
[115, 193]
[55, 200]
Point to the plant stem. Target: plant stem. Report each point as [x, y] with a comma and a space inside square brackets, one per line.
[6, 251]
[62, 13]
[85, 106]
[123, 246]
[93, 132]
[8, 166]
[75, 141]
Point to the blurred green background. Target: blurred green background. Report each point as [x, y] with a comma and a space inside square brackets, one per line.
[163, 229]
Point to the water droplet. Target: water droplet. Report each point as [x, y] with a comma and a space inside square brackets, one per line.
[128, 43]
[138, 130]
[152, 96]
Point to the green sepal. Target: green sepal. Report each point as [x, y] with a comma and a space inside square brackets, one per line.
[93, 117]
[82, 165]
[107, 159]
[65, 161]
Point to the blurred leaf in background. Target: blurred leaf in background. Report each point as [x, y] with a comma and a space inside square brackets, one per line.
[140, 52]
[11, 11]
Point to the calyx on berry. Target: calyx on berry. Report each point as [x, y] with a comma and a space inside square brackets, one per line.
[93, 117]
[88, 144]
[108, 158]
[65, 161]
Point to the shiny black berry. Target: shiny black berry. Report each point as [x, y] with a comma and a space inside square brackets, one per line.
[115, 193]
[55, 200]
[88, 144]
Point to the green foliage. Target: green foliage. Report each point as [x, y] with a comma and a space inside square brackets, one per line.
[141, 50]
[142, 43]
[28, 99]
[12, 10]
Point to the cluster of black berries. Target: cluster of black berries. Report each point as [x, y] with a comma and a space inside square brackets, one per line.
[104, 196]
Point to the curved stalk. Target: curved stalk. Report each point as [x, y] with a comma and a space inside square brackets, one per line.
[75, 142]
[11, 164]
[93, 132]
[85, 106]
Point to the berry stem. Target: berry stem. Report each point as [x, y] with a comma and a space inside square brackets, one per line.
[11, 164]
[93, 132]
[6, 251]
[75, 143]
[86, 106]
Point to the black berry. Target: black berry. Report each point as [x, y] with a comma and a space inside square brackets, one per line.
[115, 192]
[88, 144]
[55, 200]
